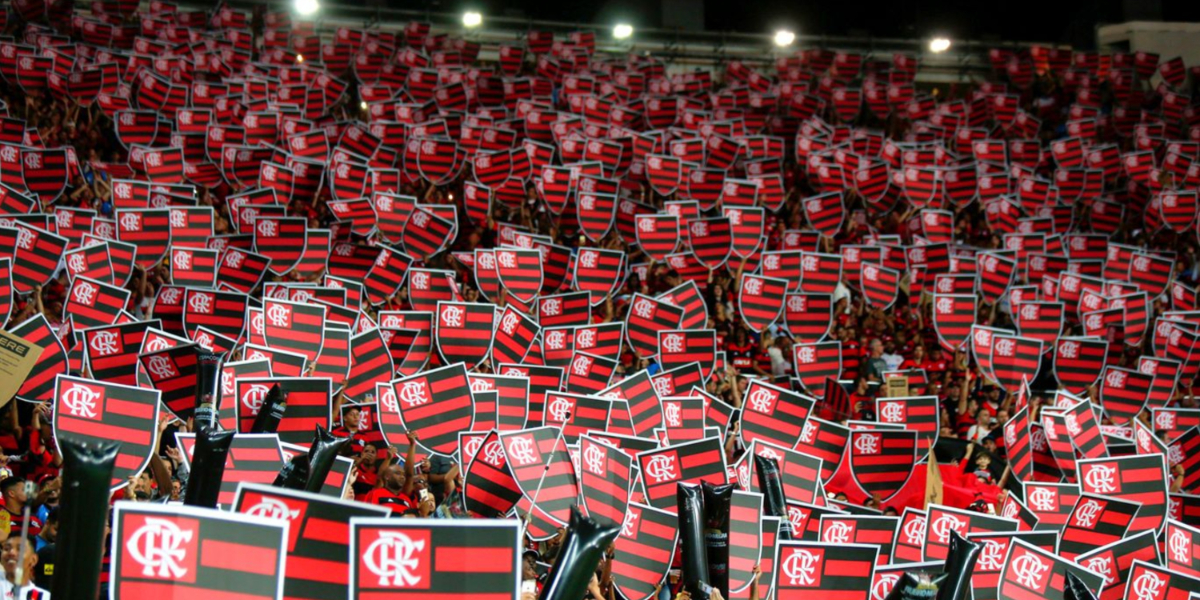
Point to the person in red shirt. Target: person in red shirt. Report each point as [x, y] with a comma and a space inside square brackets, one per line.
[396, 482]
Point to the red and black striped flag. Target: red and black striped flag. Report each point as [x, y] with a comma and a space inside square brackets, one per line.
[370, 364]
[994, 549]
[680, 347]
[36, 257]
[94, 411]
[221, 312]
[605, 479]
[597, 271]
[281, 239]
[427, 287]
[745, 538]
[435, 403]
[645, 549]
[910, 536]
[147, 229]
[193, 267]
[52, 359]
[386, 275]
[996, 272]
[427, 233]
[294, 326]
[242, 269]
[1015, 360]
[1040, 320]
[112, 351]
[645, 411]
[46, 172]
[773, 414]
[1123, 393]
[808, 317]
[817, 362]
[1094, 522]
[560, 310]
[880, 285]
[510, 405]
[861, 529]
[308, 404]
[253, 458]
[1079, 361]
[657, 234]
[1114, 561]
[882, 461]
[317, 567]
[186, 552]
[820, 273]
[520, 271]
[576, 414]
[825, 440]
[711, 240]
[942, 521]
[800, 473]
[589, 373]
[1031, 572]
[489, 488]
[464, 331]
[435, 559]
[760, 300]
[687, 296]
[172, 371]
[746, 227]
[1141, 479]
[514, 336]
[541, 464]
[917, 413]
[596, 213]
[825, 212]
[647, 317]
[91, 303]
[690, 462]
[837, 572]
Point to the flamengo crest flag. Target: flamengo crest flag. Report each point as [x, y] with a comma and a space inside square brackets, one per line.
[161, 551]
[402, 559]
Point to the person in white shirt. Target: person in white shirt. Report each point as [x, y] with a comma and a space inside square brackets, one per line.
[892, 359]
[10, 555]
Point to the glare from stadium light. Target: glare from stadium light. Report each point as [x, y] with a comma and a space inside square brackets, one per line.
[363, 105]
[299, 58]
[784, 38]
[472, 19]
[623, 31]
[307, 7]
[939, 45]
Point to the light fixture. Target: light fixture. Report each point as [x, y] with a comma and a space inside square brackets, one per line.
[472, 19]
[363, 105]
[623, 31]
[784, 38]
[299, 58]
[307, 7]
[939, 44]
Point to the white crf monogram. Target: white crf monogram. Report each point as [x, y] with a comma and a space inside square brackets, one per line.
[279, 315]
[1029, 569]
[582, 366]
[630, 523]
[585, 338]
[762, 400]
[560, 409]
[268, 228]
[838, 532]
[1116, 379]
[552, 307]
[520, 450]
[508, 260]
[914, 531]
[946, 524]
[85, 293]
[509, 323]
[588, 259]
[991, 556]
[80, 401]
[673, 414]
[157, 547]
[806, 354]
[452, 316]
[1102, 566]
[1101, 479]
[1069, 350]
[183, 260]
[1147, 586]
[273, 509]
[645, 224]
[662, 468]
[393, 557]
[413, 393]
[104, 343]
[673, 343]
[867, 443]
[201, 303]
[945, 306]
[644, 309]
[1180, 546]
[1087, 513]
[556, 340]
[892, 412]
[752, 286]
[593, 459]
[160, 367]
[800, 568]
[1006, 347]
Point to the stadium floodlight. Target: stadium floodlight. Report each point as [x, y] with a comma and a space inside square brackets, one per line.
[939, 45]
[784, 38]
[472, 19]
[623, 31]
[299, 58]
[307, 7]
[363, 105]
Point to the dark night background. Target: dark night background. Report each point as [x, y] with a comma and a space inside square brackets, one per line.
[1061, 21]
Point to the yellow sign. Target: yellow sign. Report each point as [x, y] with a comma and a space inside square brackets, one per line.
[17, 358]
[897, 386]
